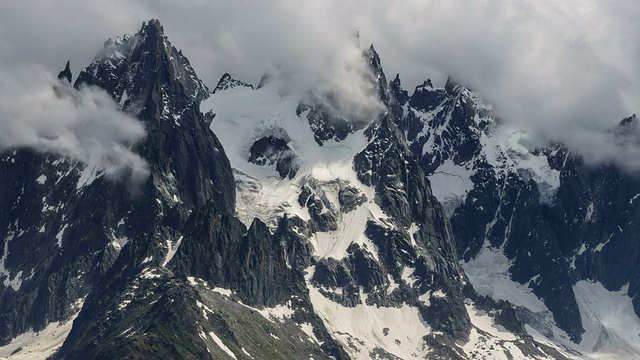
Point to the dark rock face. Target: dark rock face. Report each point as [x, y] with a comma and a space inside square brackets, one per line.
[115, 308]
[142, 304]
[327, 126]
[165, 93]
[350, 198]
[63, 224]
[226, 82]
[504, 209]
[581, 231]
[455, 114]
[271, 150]
[597, 207]
[66, 73]
[293, 233]
[376, 76]
[147, 67]
[141, 309]
[359, 269]
[219, 249]
[382, 165]
[519, 223]
[322, 212]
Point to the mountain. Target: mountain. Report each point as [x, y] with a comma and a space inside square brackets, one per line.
[532, 224]
[277, 226]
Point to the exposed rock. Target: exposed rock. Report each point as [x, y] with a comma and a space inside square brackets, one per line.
[66, 73]
[271, 150]
[226, 82]
[350, 198]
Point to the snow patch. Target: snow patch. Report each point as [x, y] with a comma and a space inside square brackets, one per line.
[589, 214]
[42, 344]
[489, 340]
[364, 328]
[221, 345]
[600, 246]
[489, 275]
[59, 235]
[278, 312]
[172, 248]
[612, 328]
[351, 228]
[425, 298]
[407, 276]
[89, 174]
[450, 184]
[16, 281]
[611, 325]
[222, 291]
[246, 353]
[308, 329]
[412, 232]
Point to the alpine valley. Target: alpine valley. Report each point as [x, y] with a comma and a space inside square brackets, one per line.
[272, 226]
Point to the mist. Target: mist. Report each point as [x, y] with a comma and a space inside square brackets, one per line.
[40, 112]
[565, 72]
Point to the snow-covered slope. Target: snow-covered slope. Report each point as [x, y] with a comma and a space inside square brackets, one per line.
[243, 116]
[612, 329]
[41, 344]
[460, 135]
[385, 320]
[497, 189]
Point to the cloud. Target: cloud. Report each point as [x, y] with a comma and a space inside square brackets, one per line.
[39, 112]
[562, 71]
[565, 71]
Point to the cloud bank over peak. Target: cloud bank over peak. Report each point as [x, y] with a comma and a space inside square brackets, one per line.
[565, 72]
[40, 112]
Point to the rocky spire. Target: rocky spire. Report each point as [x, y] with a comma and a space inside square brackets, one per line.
[378, 76]
[66, 73]
[141, 68]
[395, 86]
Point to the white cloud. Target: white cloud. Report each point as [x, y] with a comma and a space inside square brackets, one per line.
[566, 71]
[39, 112]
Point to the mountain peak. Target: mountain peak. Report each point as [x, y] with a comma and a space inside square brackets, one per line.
[378, 77]
[227, 82]
[136, 68]
[628, 128]
[372, 56]
[152, 26]
[398, 92]
[66, 73]
[631, 120]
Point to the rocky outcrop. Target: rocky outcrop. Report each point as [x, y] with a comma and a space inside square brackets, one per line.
[226, 82]
[271, 150]
[220, 250]
[66, 73]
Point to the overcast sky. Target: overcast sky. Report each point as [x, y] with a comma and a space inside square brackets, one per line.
[564, 70]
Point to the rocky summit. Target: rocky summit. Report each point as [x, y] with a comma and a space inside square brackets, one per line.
[271, 225]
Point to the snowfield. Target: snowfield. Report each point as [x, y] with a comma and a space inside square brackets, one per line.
[612, 327]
